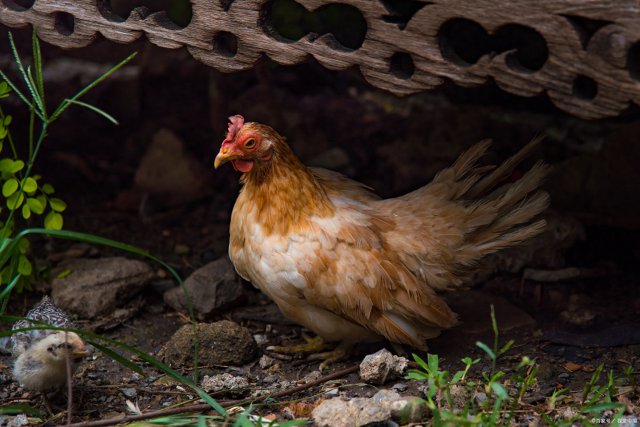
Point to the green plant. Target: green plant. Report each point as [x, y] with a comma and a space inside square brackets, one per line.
[495, 398]
[25, 194]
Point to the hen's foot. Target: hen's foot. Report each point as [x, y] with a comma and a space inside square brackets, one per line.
[312, 345]
[328, 357]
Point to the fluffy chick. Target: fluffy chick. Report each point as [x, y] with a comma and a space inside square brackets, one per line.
[43, 366]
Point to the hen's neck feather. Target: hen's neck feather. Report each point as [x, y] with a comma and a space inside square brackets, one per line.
[284, 192]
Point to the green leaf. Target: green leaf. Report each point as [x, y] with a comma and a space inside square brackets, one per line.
[29, 185]
[500, 391]
[5, 165]
[43, 201]
[20, 409]
[457, 377]
[23, 245]
[53, 221]
[5, 90]
[15, 201]
[602, 407]
[64, 273]
[35, 204]
[486, 349]
[7, 120]
[57, 205]
[420, 362]
[10, 186]
[3, 131]
[432, 361]
[24, 266]
[46, 189]
[26, 212]
[17, 166]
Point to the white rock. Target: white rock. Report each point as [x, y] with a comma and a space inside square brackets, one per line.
[225, 382]
[382, 366]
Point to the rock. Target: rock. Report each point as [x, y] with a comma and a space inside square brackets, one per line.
[408, 410]
[382, 366]
[166, 169]
[266, 362]
[360, 411]
[212, 288]
[226, 383]
[380, 410]
[220, 343]
[96, 287]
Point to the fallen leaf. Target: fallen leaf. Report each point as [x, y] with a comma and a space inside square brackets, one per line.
[300, 409]
[572, 367]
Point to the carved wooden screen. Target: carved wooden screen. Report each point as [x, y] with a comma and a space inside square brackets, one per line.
[584, 54]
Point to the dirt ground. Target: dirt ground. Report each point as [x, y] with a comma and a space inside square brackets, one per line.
[394, 145]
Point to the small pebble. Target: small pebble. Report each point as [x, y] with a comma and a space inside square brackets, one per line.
[266, 361]
[564, 376]
[480, 397]
[181, 249]
[261, 339]
[400, 387]
[129, 392]
[270, 379]
[332, 392]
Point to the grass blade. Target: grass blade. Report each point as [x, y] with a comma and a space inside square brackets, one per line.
[22, 70]
[20, 409]
[37, 65]
[95, 109]
[118, 358]
[87, 238]
[65, 104]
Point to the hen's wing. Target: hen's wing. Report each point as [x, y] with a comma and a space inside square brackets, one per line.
[43, 312]
[349, 269]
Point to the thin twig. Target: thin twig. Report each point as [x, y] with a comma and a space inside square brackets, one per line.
[200, 407]
[69, 379]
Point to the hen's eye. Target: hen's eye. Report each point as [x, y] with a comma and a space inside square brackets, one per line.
[250, 143]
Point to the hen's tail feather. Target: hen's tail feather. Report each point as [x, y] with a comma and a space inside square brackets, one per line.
[519, 235]
[487, 183]
[498, 216]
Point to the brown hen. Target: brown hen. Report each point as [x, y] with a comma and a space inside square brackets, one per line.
[352, 267]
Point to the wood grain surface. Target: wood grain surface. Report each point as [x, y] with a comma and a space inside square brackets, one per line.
[583, 54]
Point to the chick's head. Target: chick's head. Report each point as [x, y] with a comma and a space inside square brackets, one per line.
[55, 347]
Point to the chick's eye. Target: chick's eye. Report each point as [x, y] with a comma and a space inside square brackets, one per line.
[250, 143]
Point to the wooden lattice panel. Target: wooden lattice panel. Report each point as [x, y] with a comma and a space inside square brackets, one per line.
[584, 54]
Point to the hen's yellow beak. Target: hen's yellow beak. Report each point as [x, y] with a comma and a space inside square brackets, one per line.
[224, 156]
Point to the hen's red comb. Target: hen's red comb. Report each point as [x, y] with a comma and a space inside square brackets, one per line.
[235, 123]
